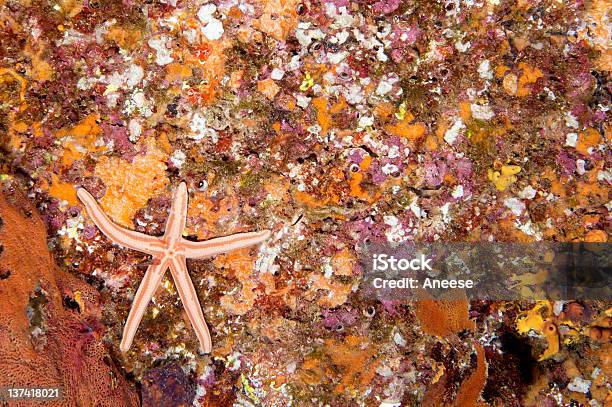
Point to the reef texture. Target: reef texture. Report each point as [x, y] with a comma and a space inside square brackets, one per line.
[50, 329]
[331, 123]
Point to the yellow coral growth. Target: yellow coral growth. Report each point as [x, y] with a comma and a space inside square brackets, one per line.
[505, 177]
[534, 320]
[130, 185]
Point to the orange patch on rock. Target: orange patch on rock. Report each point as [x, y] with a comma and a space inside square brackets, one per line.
[334, 293]
[471, 388]
[598, 31]
[591, 191]
[518, 84]
[14, 136]
[130, 185]
[9, 75]
[309, 200]
[126, 38]
[596, 236]
[64, 191]
[42, 71]
[268, 88]
[339, 106]
[80, 140]
[279, 18]
[177, 72]
[241, 264]
[71, 7]
[510, 233]
[312, 371]
[323, 116]
[465, 111]
[353, 358]
[343, 263]
[384, 110]
[277, 188]
[403, 128]
[356, 190]
[213, 70]
[444, 317]
[586, 140]
[211, 214]
[527, 79]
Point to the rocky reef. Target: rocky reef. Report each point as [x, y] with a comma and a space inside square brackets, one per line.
[331, 123]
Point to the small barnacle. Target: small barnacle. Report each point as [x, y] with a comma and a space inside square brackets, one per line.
[369, 312]
[315, 47]
[301, 9]
[172, 109]
[344, 75]
[202, 185]
[4, 273]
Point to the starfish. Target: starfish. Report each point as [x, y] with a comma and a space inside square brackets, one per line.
[169, 251]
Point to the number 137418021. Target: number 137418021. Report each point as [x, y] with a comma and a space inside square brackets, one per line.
[30, 393]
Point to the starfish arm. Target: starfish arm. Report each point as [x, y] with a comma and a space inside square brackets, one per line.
[146, 290]
[178, 212]
[191, 303]
[124, 237]
[198, 250]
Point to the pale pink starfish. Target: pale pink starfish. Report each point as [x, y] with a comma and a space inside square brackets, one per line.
[168, 251]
